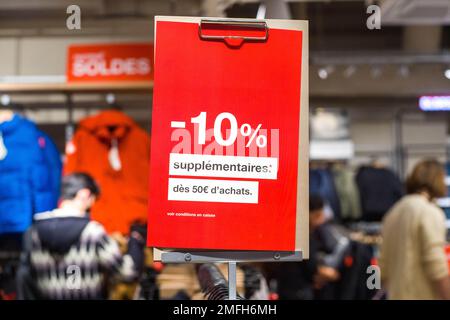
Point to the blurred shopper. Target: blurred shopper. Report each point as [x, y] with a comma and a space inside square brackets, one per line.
[67, 256]
[302, 280]
[412, 261]
[322, 241]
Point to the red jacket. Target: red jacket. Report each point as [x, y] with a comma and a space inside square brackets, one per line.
[124, 189]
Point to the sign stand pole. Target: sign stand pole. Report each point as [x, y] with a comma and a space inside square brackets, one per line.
[232, 280]
[229, 257]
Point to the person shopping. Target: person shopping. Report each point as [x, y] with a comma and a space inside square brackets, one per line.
[68, 256]
[412, 257]
[305, 280]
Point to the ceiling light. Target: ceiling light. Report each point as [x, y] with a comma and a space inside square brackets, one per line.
[5, 100]
[324, 72]
[110, 98]
[447, 73]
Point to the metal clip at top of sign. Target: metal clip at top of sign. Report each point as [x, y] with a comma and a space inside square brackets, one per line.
[257, 25]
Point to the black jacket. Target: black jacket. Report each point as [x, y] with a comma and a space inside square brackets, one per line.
[379, 189]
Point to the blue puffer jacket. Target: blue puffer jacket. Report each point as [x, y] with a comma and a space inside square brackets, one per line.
[29, 174]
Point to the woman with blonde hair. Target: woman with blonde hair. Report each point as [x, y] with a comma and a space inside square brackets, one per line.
[412, 259]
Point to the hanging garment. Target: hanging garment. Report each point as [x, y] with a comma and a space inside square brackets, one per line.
[321, 183]
[115, 151]
[30, 174]
[347, 191]
[354, 275]
[52, 158]
[379, 189]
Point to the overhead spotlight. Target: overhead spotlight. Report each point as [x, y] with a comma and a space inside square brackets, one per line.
[376, 72]
[324, 72]
[5, 100]
[110, 98]
[447, 73]
[349, 71]
[404, 71]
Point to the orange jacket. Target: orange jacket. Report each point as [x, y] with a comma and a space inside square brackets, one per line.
[124, 189]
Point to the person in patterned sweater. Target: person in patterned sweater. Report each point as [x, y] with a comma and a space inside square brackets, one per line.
[68, 256]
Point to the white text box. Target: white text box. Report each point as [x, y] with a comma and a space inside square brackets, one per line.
[208, 190]
[198, 165]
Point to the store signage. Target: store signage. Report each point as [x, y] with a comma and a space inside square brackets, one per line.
[447, 253]
[229, 156]
[434, 103]
[110, 62]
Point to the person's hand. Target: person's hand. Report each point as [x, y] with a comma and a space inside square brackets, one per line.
[121, 240]
[324, 275]
[328, 273]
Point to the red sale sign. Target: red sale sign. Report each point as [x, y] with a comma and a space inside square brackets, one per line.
[110, 62]
[229, 156]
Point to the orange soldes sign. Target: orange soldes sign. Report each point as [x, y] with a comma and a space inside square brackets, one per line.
[110, 62]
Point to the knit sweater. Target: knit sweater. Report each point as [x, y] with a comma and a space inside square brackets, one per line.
[70, 257]
[412, 254]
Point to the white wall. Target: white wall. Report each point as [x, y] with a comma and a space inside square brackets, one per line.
[37, 56]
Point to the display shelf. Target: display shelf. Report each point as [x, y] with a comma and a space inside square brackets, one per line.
[63, 87]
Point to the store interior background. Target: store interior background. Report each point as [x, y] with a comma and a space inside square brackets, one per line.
[375, 77]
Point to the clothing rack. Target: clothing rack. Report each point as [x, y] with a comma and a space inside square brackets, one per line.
[64, 93]
[68, 90]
